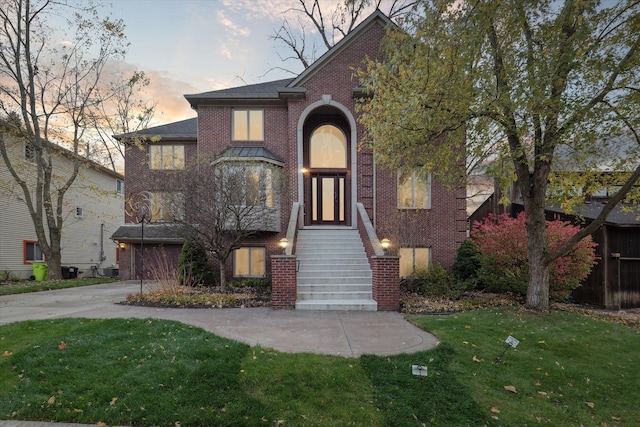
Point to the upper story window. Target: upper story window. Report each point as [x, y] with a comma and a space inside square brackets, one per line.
[32, 252]
[120, 186]
[79, 211]
[167, 206]
[414, 190]
[328, 148]
[166, 156]
[248, 185]
[248, 124]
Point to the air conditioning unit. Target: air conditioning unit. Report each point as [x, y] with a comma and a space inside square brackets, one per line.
[110, 272]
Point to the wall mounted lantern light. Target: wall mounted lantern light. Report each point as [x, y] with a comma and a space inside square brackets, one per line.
[283, 244]
[385, 243]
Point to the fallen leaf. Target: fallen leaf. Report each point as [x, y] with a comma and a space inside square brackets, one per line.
[113, 401]
[7, 353]
[590, 404]
[538, 383]
[62, 345]
[475, 359]
[101, 424]
[495, 410]
[615, 418]
[467, 326]
[542, 393]
[51, 400]
[510, 388]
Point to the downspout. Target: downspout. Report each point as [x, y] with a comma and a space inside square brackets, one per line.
[102, 256]
[375, 192]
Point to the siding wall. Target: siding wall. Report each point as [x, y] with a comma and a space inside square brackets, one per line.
[94, 190]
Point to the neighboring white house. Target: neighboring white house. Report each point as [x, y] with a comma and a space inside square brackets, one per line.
[93, 210]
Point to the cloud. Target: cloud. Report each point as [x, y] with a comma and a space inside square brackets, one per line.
[233, 28]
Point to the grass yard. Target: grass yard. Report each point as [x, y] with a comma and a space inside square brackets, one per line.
[568, 370]
[25, 286]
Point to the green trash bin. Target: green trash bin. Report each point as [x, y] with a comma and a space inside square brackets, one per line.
[40, 271]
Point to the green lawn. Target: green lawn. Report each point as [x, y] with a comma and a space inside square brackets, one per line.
[22, 287]
[568, 370]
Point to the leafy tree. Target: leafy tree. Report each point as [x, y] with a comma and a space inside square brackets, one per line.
[502, 242]
[47, 87]
[557, 81]
[193, 264]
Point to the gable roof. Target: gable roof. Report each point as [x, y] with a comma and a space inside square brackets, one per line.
[376, 17]
[277, 90]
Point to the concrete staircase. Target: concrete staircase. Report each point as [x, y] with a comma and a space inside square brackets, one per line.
[334, 272]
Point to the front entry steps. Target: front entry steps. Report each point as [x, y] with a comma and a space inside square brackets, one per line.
[334, 272]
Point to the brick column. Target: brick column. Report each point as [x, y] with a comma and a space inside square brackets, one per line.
[283, 281]
[386, 282]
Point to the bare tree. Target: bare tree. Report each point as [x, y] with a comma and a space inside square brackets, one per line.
[120, 111]
[47, 86]
[327, 27]
[227, 203]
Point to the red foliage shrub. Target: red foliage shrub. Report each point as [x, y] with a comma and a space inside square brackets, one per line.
[502, 243]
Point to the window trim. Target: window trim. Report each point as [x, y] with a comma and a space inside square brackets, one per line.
[414, 174]
[267, 192]
[25, 243]
[413, 258]
[172, 196]
[162, 148]
[120, 184]
[250, 249]
[78, 211]
[248, 118]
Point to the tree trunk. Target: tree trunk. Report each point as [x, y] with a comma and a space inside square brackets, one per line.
[223, 276]
[54, 264]
[538, 289]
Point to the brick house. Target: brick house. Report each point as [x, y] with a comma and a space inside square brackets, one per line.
[335, 204]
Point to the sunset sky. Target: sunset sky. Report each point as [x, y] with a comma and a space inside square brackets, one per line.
[192, 46]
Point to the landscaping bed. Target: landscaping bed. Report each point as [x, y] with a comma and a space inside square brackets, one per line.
[202, 297]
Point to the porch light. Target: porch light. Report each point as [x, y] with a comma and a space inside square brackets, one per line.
[283, 244]
[121, 245]
[385, 243]
[304, 170]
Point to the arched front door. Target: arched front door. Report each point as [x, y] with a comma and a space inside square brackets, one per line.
[327, 162]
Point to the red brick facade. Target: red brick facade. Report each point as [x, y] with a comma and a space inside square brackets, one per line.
[283, 281]
[327, 91]
[386, 284]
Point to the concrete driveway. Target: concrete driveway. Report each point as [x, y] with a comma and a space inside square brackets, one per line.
[343, 333]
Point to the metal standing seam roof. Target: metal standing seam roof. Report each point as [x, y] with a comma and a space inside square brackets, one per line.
[250, 152]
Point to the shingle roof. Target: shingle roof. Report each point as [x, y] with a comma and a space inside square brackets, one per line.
[590, 211]
[267, 90]
[184, 129]
[153, 233]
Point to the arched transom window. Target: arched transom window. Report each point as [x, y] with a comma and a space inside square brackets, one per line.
[328, 148]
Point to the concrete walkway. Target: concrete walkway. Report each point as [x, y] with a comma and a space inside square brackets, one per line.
[342, 333]
[348, 334]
